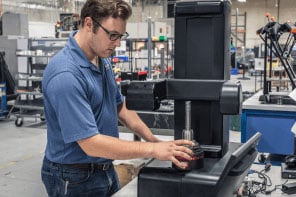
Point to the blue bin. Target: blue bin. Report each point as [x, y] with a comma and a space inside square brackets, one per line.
[234, 71]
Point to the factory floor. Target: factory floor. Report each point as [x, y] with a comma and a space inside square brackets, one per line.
[22, 150]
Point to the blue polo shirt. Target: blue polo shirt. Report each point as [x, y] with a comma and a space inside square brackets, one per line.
[80, 101]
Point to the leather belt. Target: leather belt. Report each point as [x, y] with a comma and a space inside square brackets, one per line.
[90, 166]
[84, 166]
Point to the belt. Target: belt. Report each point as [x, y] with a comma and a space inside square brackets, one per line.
[90, 166]
[84, 166]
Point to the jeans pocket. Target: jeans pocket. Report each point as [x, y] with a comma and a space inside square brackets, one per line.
[75, 176]
[74, 180]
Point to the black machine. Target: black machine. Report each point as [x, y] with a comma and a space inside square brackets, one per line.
[288, 167]
[202, 71]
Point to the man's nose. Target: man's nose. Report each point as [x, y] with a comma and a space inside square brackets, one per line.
[117, 42]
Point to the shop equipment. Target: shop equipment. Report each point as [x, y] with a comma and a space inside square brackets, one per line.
[272, 34]
[201, 76]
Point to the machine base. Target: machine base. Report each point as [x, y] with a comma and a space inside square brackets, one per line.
[219, 177]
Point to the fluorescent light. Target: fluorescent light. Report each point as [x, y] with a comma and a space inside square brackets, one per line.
[242, 1]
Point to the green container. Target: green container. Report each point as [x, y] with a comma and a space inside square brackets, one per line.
[163, 38]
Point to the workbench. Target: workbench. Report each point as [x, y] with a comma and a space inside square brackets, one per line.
[274, 121]
[131, 188]
[274, 173]
[218, 175]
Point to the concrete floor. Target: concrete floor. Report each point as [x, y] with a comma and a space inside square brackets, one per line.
[22, 150]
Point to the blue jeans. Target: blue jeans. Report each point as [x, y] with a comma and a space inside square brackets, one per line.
[61, 180]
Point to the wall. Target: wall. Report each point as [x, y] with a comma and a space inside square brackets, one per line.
[15, 24]
[140, 30]
[256, 10]
[41, 29]
[45, 14]
[255, 19]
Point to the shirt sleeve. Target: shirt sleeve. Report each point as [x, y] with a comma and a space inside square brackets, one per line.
[68, 97]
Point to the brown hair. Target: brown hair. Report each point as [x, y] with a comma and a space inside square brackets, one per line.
[101, 9]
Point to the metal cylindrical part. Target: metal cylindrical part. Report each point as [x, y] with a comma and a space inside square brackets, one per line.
[188, 115]
[187, 134]
[162, 66]
[149, 46]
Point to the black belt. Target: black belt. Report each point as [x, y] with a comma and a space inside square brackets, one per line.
[84, 166]
[90, 166]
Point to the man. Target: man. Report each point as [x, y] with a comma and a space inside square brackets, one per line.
[83, 105]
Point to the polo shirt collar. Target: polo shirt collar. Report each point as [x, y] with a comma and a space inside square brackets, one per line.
[79, 55]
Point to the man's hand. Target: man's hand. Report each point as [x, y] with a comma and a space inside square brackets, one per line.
[170, 151]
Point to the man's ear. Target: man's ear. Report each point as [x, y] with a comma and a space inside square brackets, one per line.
[88, 24]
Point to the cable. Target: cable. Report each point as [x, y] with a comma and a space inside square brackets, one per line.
[253, 187]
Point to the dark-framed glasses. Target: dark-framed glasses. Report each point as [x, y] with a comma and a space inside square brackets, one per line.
[113, 35]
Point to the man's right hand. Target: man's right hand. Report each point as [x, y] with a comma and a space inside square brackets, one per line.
[171, 150]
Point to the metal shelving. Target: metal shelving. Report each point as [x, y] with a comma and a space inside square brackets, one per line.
[138, 59]
[30, 97]
[238, 28]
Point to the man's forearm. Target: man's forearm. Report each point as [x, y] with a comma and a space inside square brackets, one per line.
[117, 149]
[114, 148]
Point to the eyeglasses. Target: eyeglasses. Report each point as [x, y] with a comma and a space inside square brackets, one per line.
[112, 35]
